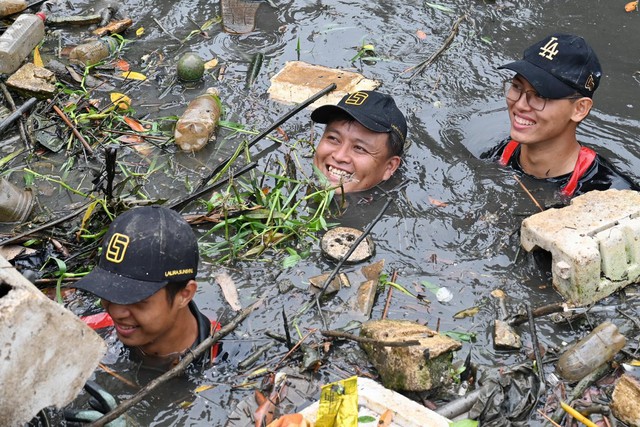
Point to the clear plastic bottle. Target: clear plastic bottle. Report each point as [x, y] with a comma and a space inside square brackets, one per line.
[93, 51]
[599, 347]
[198, 122]
[19, 40]
[9, 7]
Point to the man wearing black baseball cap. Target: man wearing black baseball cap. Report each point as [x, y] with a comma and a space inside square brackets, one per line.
[550, 94]
[145, 279]
[363, 142]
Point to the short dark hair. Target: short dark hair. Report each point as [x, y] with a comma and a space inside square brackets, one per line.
[173, 288]
[395, 144]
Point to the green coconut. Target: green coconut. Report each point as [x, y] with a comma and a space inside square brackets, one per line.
[190, 67]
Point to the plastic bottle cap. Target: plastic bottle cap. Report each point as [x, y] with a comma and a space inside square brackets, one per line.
[41, 16]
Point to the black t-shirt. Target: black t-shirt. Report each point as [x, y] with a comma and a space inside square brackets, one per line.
[601, 175]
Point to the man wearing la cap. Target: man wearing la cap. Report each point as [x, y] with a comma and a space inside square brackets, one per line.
[145, 279]
[551, 93]
[363, 141]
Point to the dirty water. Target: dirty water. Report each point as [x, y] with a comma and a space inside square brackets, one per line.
[455, 219]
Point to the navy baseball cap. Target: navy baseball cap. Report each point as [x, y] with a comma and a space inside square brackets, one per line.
[375, 111]
[560, 65]
[144, 249]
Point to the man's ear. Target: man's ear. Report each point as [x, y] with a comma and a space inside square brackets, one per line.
[581, 109]
[391, 166]
[186, 294]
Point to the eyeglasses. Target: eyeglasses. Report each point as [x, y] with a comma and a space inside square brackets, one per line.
[513, 91]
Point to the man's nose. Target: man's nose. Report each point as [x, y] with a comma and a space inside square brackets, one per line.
[116, 311]
[523, 102]
[341, 153]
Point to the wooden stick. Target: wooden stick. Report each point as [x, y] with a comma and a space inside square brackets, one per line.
[424, 64]
[26, 136]
[114, 374]
[176, 370]
[394, 276]
[365, 340]
[75, 131]
[555, 424]
[528, 193]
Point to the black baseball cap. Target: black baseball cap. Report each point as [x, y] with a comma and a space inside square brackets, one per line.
[560, 65]
[376, 111]
[144, 249]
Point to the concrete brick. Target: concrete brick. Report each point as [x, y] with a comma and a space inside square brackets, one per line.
[46, 352]
[594, 243]
[298, 81]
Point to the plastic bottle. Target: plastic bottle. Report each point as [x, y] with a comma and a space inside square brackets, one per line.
[9, 7]
[19, 40]
[93, 51]
[198, 122]
[599, 347]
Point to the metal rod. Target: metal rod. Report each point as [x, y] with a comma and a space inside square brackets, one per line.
[17, 114]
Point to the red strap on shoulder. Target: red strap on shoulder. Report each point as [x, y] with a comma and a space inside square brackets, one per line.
[585, 159]
[215, 349]
[98, 320]
[508, 152]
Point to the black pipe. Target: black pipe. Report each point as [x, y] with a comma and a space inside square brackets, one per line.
[16, 114]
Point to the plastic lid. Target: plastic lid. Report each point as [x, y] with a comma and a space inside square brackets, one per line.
[41, 16]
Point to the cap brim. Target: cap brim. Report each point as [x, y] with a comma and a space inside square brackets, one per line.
[544, 83]
[325, 113]
[116, 288]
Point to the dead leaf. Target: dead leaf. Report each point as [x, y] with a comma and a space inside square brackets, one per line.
[132, 75]
[113, 27]
[631, 6]
[211, 64]
[37, 59]
[264, 414]
[421, 34]
[121, 100]
[121, 65]
[229, 290]
[467, 312]
[498, 293]
[202, 388]
[140, 31]
[436, 202]
[134, 124]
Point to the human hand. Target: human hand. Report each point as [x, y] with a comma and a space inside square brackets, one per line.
[101, 401]
[292, 420]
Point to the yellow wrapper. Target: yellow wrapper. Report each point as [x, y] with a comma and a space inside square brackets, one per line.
[339, 404]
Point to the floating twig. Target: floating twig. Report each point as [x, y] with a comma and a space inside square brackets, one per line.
[419, 68]
[536, 350]
[176, 370]
[346, 256]
[389, 294]
[75, 131]
[553, 423]
[26, 136]
[286, 329]
[116, 375]
[526, 190]
[167, 32]
[365, 340]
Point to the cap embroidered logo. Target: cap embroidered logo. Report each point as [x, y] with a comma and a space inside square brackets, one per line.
[117, 248]
[550, 50]
[356, 98]
[590, 84]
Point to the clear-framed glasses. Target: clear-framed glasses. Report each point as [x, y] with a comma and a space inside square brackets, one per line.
[513, 91]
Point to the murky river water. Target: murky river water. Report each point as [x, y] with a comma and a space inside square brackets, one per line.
[468, 242]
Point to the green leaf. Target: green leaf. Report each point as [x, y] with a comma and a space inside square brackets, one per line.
[440, 7]
[366, 419]
[464, 423]
[460, 336]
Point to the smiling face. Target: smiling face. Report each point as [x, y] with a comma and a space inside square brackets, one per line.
[556, 123]
[156, 325]
[355, 156]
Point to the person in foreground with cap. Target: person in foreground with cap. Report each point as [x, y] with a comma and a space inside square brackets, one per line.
[363, 141]
[145, 279]
[551, 93]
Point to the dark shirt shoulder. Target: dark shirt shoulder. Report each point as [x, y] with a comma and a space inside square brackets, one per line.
[600, 175]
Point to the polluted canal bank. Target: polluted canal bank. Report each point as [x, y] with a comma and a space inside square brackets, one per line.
[93, 139]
